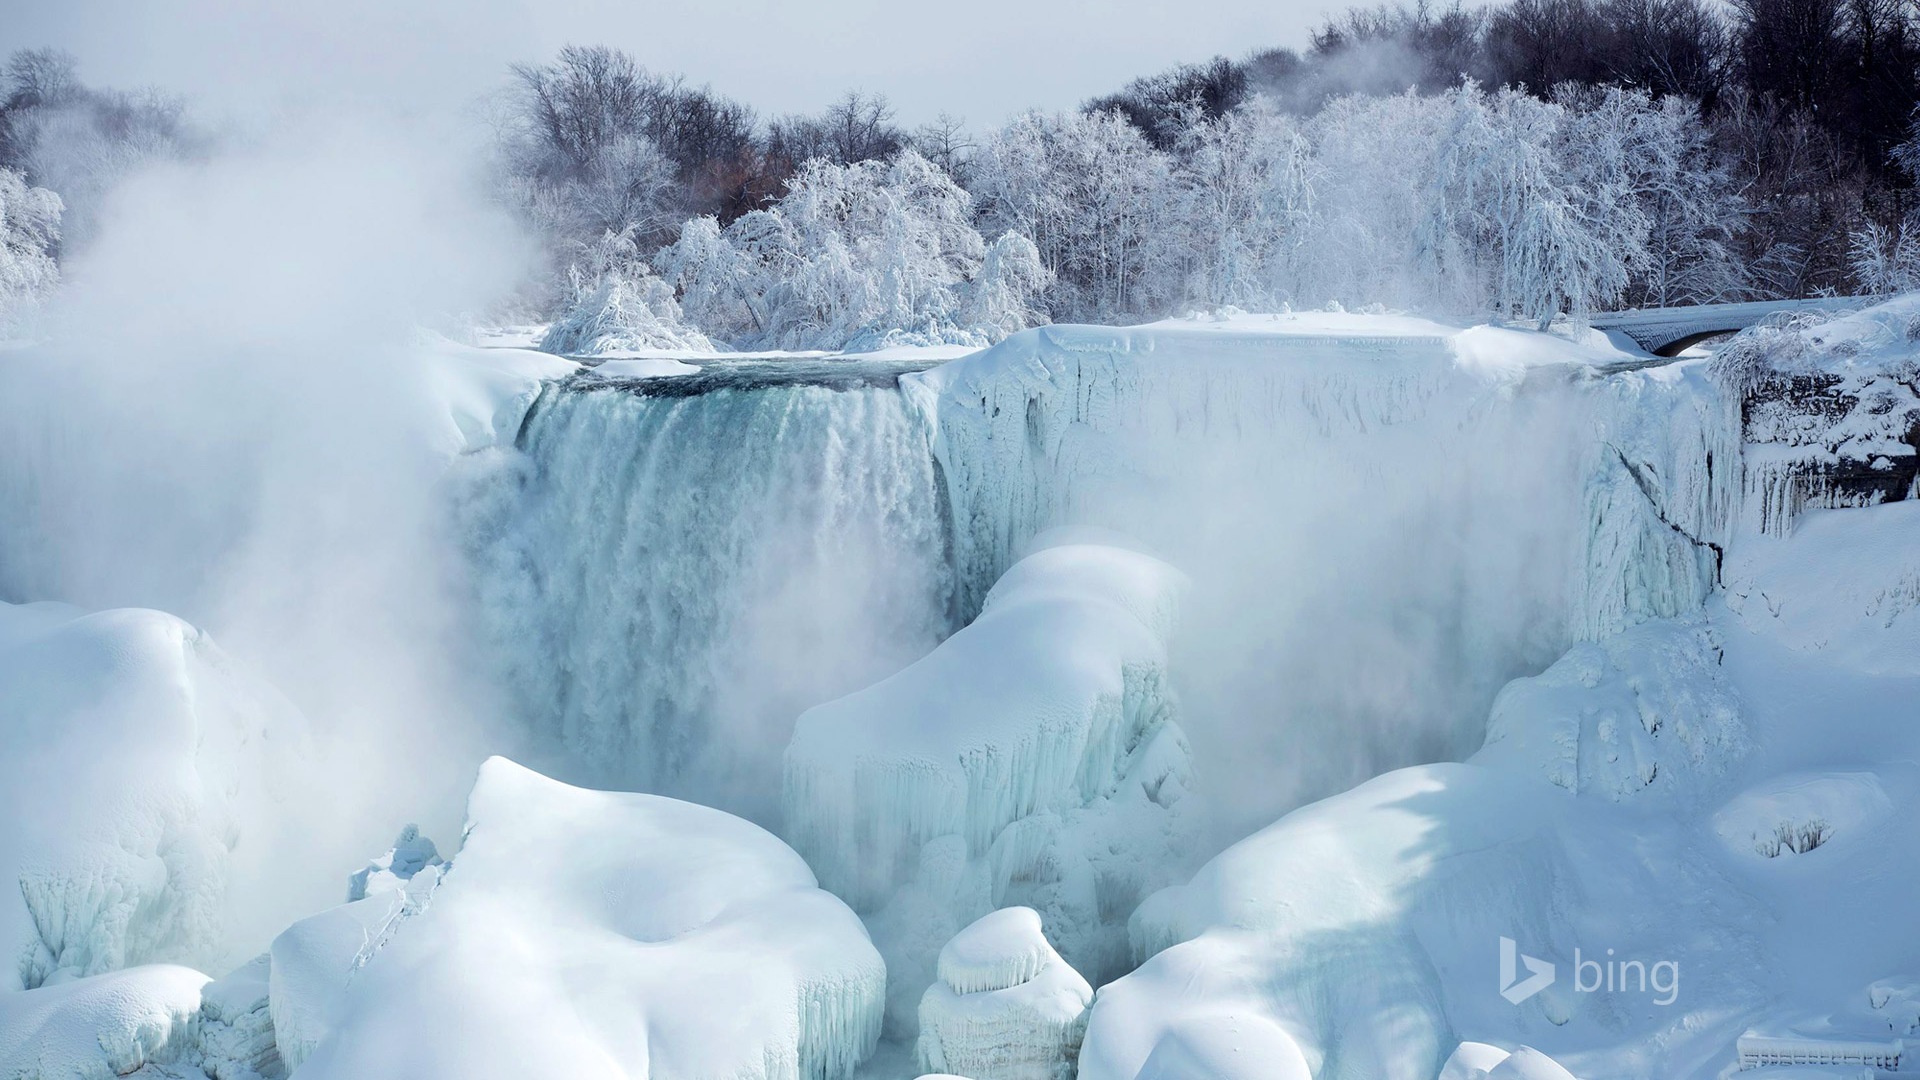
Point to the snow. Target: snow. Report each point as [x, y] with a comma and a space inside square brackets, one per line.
[1006, 1006]
[144, 772]
[1719, 789]
[1032, 756]
[647, 367]
[603, 934]
[99, 1027]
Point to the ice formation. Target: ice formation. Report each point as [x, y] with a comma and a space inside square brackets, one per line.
[593, 934]
[1644, 709]
[411, 853]
[1031, 758]
[670, 579]
[137, 757]
[1006, 1006]
[1831, 410]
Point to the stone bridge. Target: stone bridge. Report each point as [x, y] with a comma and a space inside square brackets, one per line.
[1668, 331]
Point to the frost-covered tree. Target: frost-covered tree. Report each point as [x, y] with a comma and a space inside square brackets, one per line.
[861, 254]
[1246, 185]
[617, 304]
[29, 232]
[1096, 199]
[1542, 232]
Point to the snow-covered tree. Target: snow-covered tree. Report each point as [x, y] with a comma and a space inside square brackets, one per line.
[29, 231]
[617, 304]
[1096, 198]
[863, 253]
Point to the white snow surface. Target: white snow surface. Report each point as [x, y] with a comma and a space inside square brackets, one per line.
[143, 776]
[1006, 1006]
[1720, 791]
[602, 934]
[101, 1026]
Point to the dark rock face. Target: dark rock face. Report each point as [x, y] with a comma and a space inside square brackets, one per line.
[1821, 439]
[1830, 413]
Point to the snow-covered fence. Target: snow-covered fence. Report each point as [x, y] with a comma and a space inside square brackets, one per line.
[1758, 1050]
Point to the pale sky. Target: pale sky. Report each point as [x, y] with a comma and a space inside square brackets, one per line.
[982, 60]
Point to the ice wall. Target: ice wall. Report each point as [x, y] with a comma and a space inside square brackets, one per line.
[1032, 758]
[1385, 518]
[668, 578]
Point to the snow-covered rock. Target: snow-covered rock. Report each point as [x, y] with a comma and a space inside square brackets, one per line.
[101, 1026]
[1641, 710]
[1006, 1006]
[410, 854]
[141, 774]
[1832, 410]
[600, 934]
[1031, 758]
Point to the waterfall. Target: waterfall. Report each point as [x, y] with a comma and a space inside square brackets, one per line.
[670, 573]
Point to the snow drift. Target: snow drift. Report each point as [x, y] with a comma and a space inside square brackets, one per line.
[147, 779]
[597, 934]
[1032, 758]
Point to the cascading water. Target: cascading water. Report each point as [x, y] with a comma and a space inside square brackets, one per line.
[672, 570]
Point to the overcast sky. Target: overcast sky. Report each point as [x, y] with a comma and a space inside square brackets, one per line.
[982, 60]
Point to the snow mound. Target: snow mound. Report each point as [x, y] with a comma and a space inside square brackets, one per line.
[134, 757]
[604, 934]
[1631, 713]
[1845, 585]
[1796, 813]
[1006, 1007]
[1031, 758]
[101, 1026]
[1038, 704]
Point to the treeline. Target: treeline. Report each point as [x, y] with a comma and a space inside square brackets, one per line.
[1523, 160]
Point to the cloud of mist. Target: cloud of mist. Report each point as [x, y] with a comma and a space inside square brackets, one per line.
[227, 417]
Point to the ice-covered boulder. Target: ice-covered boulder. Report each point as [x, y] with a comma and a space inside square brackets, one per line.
[101, 1026]
[140, 774]
[1032, 758]
[596, 934]
[410, 854]
[1642, 711]
[1006, 1006]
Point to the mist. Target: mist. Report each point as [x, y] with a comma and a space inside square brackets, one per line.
[233, 422]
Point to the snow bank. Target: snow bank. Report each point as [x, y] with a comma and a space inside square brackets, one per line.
[1845, 585]
[1031, 758]
[644, 367]
[1006, 1006]
[141, 776]
[1645, 710]
[1361, 931]
[101, 1026]
[598, 934]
